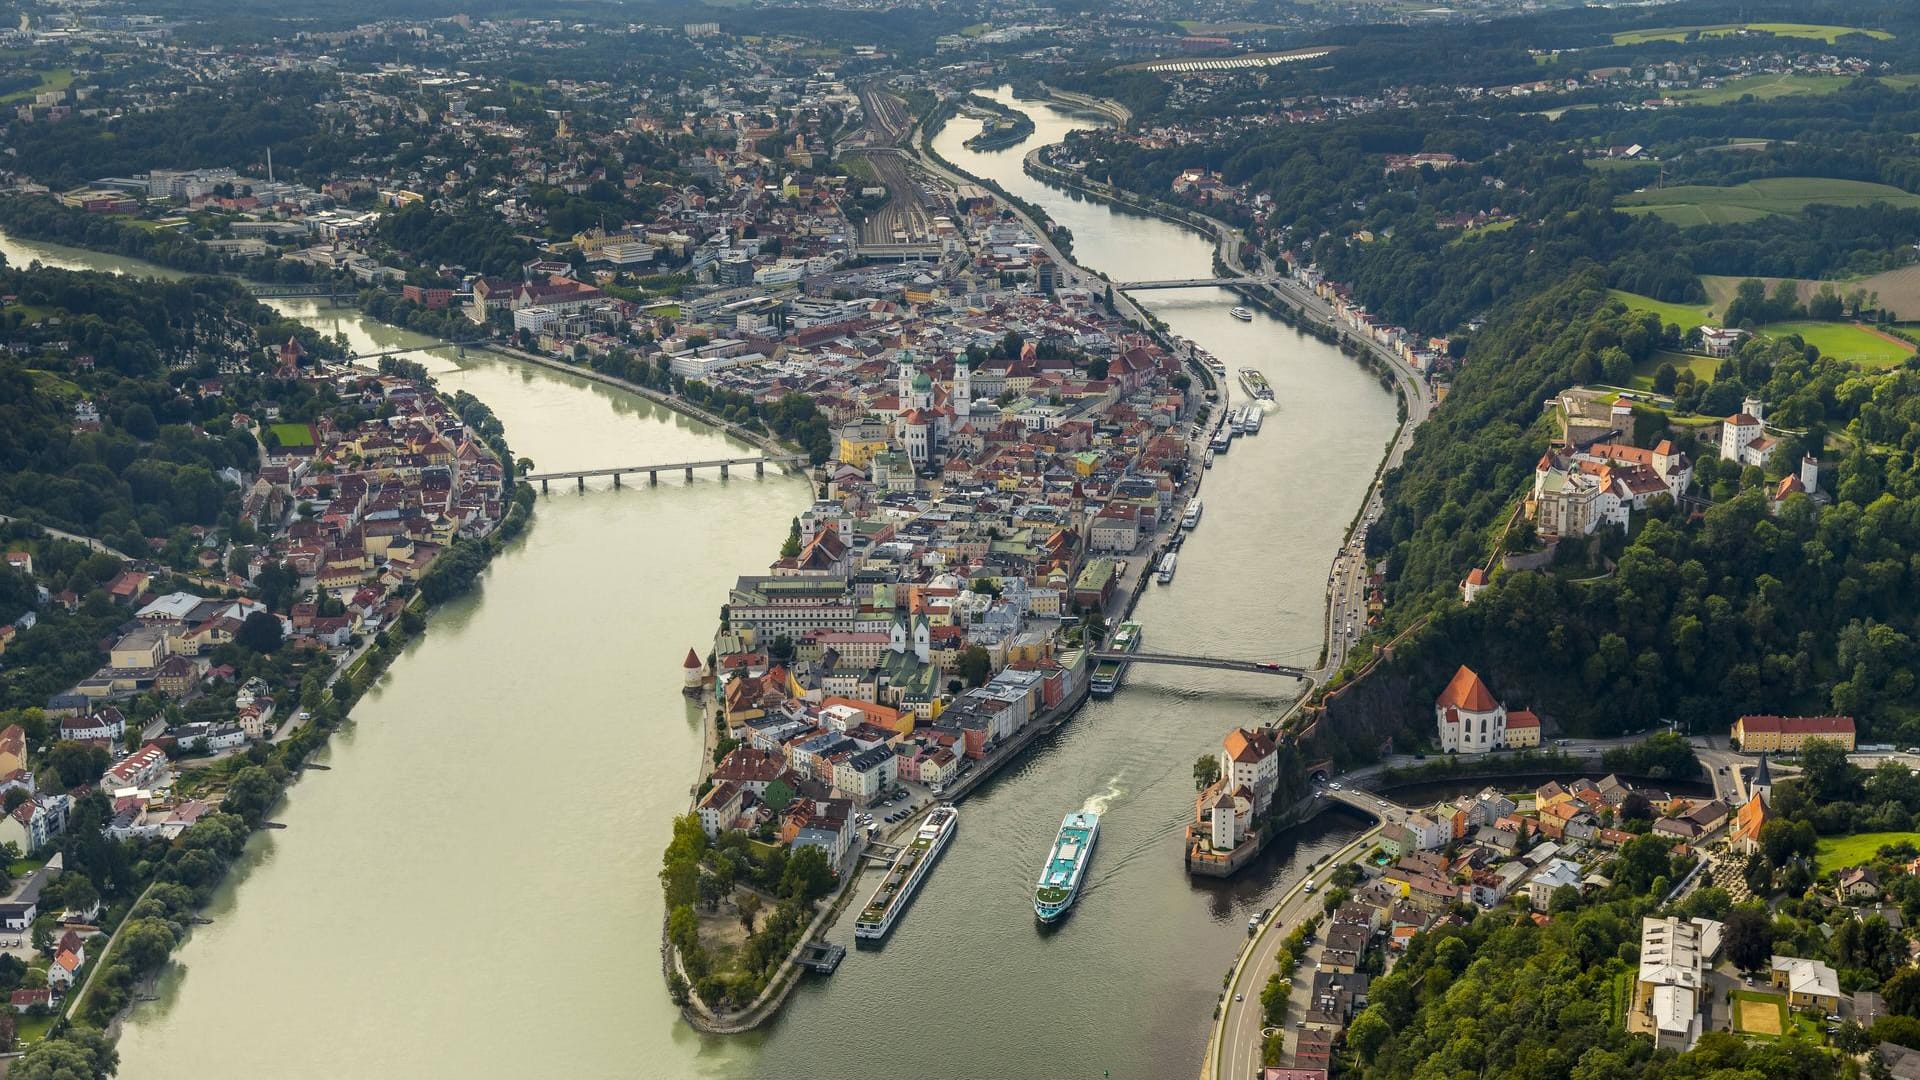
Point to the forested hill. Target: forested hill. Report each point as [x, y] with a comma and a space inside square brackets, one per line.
[1747, 607]
[165, 364]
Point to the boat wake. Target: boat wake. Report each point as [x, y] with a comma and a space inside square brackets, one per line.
[1098, 804]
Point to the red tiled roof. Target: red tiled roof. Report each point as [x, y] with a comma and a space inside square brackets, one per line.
[1468, 693]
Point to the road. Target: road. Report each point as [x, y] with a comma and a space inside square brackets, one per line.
[1239, 1045]
[89, 541]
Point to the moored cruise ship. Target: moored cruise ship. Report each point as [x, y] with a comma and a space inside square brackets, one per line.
[1192, 517]
[1066, 865]
[903, 878]
[1166, 567]
[1108, 673]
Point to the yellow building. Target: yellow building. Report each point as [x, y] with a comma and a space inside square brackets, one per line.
[1787, 734]
[1523, 729]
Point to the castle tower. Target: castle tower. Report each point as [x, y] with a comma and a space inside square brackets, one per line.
[1810, 473]
[1755, 408]
[906, 378]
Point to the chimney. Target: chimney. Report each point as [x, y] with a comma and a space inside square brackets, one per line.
[1810, 473]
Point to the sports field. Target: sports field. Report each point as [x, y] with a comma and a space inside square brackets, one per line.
[293, 434]
[1819, 31]
[1759, 1014]
[1700, 204]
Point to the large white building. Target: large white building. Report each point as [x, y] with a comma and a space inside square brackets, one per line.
[1470, 719]
[1743, 438]
[1575, 493]
[1675, 955]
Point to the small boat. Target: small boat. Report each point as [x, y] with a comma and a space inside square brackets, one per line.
[1244, 314]
[1209, 459]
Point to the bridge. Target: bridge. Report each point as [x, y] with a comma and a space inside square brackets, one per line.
[1258, 667]
[262, 291]
[653, 471]
[461, 345]
[1191, 283]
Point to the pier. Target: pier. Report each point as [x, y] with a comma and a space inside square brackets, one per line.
[821, 957]
[579, 476]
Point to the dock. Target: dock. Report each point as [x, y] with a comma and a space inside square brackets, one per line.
[822, 957]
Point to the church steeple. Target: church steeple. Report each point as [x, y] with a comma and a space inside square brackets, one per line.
[962, 386]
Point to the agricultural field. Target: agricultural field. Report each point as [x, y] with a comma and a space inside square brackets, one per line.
[1762, 88]
[1826, 33]
[1836, 852]
[1699, 204]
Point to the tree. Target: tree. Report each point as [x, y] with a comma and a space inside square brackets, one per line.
[260, 633]
[975, 664]
[807, 876]
[1643, 859]
[791, 549]
[75, 1054]
[1369, 1032]
[1206, 772]
[749, 906]
[77, 764]
[1748, 936]
[1902, 991]
[250, 794]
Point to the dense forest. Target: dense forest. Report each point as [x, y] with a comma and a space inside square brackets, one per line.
[1746, 607]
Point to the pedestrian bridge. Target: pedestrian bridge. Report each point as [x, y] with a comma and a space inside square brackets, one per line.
[1260, 667]
[653, 471]
[1191, 283]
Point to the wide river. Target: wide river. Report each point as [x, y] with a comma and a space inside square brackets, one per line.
[470, 892]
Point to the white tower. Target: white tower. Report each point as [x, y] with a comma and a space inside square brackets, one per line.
[962, 386]
[1755, 408]
[1810, 473]
[906, 377]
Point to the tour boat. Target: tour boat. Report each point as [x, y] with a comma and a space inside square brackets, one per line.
[1192, 517]
[1108, 673]
[1166, 568]
[904, 876]
[1256, 384]
[1059, 884]
[1244, 314]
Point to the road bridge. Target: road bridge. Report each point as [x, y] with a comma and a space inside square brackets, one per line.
[1260, 667]
[1190, 283]
[461, 345]
[653, 471]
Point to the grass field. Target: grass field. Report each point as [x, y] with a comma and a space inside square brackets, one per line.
[1763, 88]
[1845, 341]
[51, 79]
[1701, 366]
[1836, 852]
[1699, 204]
[1828, 34]
[292, 434]
[1687, 316]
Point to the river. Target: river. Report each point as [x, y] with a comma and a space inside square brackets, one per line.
[470, 891]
